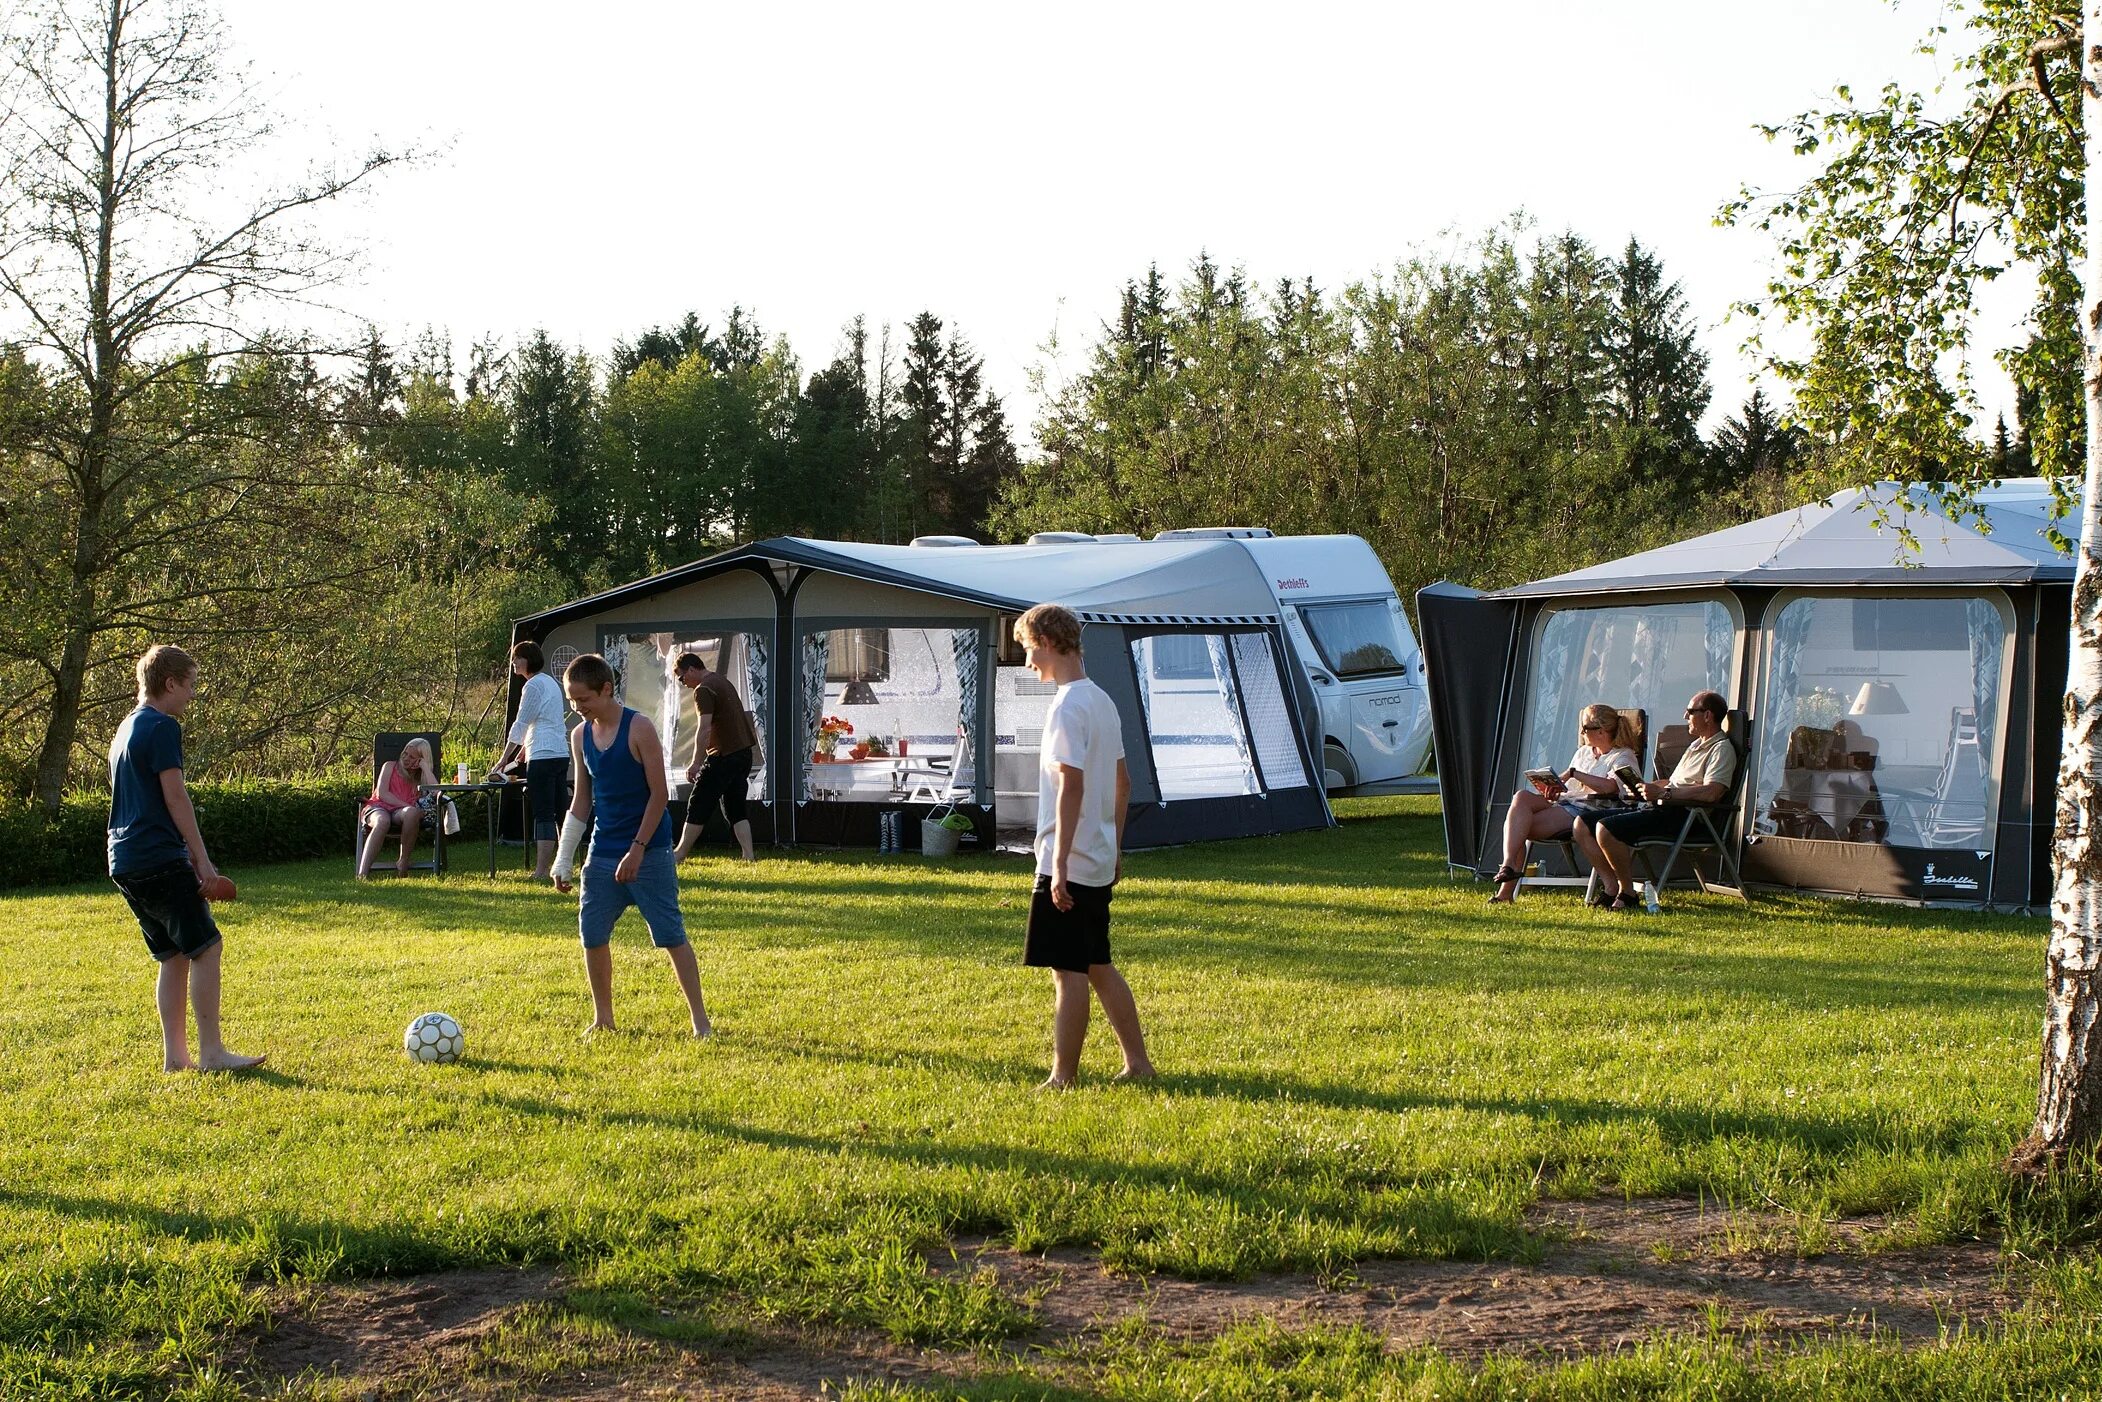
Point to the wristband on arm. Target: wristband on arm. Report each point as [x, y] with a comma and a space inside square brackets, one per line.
[566, 848]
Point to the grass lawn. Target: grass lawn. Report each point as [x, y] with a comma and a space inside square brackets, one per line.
[1361, 1060]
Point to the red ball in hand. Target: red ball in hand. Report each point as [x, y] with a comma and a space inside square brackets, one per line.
[219, 888]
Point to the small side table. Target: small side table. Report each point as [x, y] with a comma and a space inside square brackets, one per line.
[480, 787]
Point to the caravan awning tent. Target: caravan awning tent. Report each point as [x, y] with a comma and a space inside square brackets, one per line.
[1901, 696]
[910, 645]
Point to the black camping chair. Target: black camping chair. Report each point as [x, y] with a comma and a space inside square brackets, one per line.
[385, 746]
[1708, 827]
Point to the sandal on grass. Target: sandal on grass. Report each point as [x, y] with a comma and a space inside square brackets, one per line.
[1504, 874]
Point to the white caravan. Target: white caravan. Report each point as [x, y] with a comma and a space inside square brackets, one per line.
[1354, 640]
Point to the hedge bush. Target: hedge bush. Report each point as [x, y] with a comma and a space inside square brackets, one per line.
[246, 822]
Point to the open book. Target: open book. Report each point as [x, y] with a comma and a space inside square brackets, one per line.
[1547, 783]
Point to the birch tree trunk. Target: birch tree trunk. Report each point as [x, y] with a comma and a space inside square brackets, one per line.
[2069, 1105]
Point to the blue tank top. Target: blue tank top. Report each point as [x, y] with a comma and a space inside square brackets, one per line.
[619, 793]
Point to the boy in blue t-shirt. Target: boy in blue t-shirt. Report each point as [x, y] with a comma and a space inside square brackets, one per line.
[157, 859]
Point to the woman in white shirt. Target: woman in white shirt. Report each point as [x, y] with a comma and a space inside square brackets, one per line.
[1603, 745]
[538, 735]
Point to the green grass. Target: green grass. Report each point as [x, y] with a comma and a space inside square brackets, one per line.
[1361, 1059]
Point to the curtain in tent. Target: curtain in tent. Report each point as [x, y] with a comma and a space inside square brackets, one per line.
[1988, 632]
[755, 683]
[1553, 677]
[617, 659]
[813, 678]
[1222, 670]
[964, 645]
[1722, 647]
[1790, 631]
[1142, 653]
[1269, 715]
[1645, 686]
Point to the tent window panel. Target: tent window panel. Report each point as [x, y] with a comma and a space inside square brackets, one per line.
[897, 687]
[1356, 640]
[1192, 724]
[652, 687]
[1269, 715]
[857, 655]
[1650, 658]
[1880, 720]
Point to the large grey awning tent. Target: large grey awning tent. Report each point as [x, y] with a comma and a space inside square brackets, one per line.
[1901, 700]
[910, 645]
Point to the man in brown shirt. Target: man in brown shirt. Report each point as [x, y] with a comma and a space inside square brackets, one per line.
[722, 755]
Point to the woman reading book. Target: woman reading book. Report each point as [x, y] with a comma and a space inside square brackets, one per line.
[1550, 801]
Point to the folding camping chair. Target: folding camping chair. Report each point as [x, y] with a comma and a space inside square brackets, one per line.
[1707, 828]
[948, 778]
[385, 746]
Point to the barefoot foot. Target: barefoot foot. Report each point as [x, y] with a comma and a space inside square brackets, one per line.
[702, 1031]
[1136, 1073]
[230, 1061]
[597, 1029]
[1054, 1083]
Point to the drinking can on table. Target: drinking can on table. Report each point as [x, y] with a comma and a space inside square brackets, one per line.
[461, 773]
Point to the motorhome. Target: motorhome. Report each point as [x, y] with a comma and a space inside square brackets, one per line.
[1353, 638]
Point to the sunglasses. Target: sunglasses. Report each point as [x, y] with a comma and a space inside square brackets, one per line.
[1592, 729]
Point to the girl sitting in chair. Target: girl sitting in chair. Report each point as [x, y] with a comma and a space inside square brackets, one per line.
[401, 798]
[1603, 745]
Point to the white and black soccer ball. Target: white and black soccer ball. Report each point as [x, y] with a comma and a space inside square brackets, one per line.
[435, 1038]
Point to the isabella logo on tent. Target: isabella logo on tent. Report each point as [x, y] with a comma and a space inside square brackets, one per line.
[1954, 883]
[1292, 584]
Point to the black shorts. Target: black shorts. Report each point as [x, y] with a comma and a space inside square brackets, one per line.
[1645, 824]
[724, 780]
[547, 791]
[172, 912]
[1071, 940]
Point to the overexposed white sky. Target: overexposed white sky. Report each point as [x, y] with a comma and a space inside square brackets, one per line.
[606, 167]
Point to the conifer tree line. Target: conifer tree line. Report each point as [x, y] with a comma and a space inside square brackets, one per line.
[1522, 407]
[689, 437]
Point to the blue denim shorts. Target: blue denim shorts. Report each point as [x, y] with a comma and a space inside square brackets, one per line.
[654, 892]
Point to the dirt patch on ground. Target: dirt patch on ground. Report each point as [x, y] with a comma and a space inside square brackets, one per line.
[1621, 1272]
[1616, 1273]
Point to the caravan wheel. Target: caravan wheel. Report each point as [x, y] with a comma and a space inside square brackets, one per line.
[1337, 772]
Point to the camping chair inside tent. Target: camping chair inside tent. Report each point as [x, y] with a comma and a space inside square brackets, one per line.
[385, 746]
[1707, 827]
[949, 778]
[1957, 816]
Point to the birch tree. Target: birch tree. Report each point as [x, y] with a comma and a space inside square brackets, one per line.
[1922, 198]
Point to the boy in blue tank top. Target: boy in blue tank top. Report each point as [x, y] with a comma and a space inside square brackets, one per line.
[619, 767]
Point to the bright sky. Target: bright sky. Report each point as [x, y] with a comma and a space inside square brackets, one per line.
[606, 167]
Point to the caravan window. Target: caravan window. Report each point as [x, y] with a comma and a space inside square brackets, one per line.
[857, 655]
[1649, 658]
[1182, 657]
[1881, 720]
[1356, 640]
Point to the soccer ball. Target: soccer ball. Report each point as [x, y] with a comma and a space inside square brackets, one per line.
[434, 1037]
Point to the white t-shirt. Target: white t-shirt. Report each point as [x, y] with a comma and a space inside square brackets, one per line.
[1588, 761]
[539, 723]
[1081, 729]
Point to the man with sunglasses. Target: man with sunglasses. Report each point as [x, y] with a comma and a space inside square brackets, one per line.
[1703, 776]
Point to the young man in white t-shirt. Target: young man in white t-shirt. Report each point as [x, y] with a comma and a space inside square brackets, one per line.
[1082, 790]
